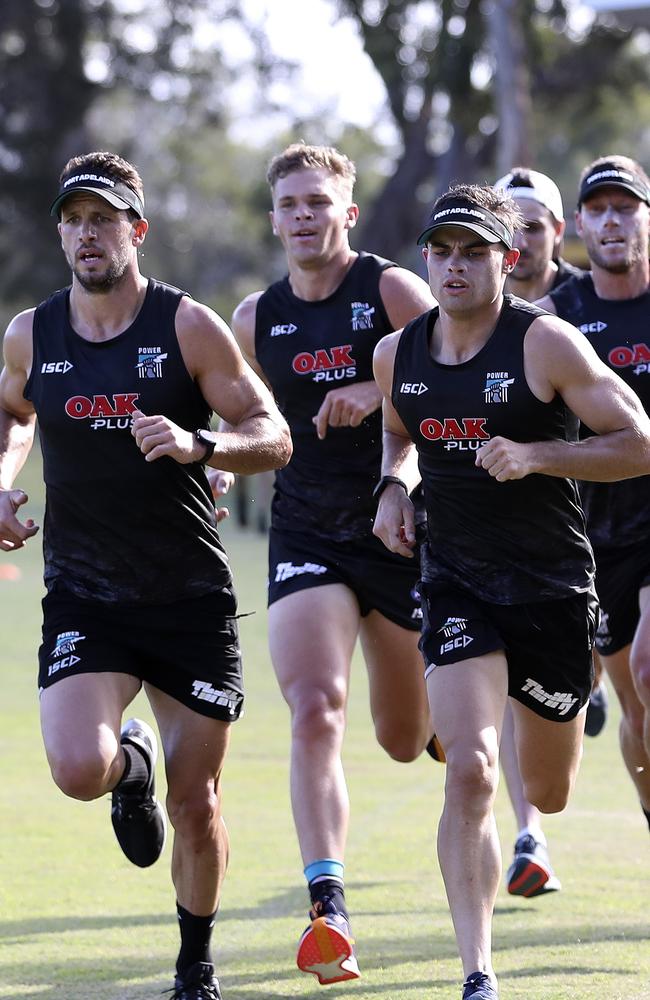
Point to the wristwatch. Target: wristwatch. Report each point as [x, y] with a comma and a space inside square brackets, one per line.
[203, 437]
[388, 481]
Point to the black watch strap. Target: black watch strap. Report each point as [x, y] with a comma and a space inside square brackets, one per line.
[388, 481]
[201, 435]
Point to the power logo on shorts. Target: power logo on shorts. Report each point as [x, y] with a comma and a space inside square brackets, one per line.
[64, 654]
[455, 635]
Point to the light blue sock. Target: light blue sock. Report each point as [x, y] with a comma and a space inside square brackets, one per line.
[324, 868]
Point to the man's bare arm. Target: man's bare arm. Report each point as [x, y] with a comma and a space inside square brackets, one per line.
[17, 422]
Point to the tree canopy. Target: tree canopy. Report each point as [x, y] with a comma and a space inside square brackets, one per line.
[470, 87]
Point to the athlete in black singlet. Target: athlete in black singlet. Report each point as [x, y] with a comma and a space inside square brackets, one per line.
[611, 306]
[539, 269]
[311, 337]
[123, 373]
[508, 601]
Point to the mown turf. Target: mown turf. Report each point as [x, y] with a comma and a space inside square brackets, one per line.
[78, 922]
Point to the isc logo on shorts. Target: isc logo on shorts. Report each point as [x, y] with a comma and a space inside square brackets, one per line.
[459, 642]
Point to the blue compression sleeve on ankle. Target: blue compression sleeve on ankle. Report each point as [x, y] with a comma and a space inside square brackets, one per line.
[325, 868]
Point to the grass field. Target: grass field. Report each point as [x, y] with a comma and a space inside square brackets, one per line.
[78, 922]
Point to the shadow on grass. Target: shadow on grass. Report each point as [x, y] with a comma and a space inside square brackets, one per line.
[383, 959]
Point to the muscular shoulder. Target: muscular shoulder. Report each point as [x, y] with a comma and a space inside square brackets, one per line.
[383, 360]
[404, 294]
[243, 323]
[17, 343]
[203, 335]
[554, 351]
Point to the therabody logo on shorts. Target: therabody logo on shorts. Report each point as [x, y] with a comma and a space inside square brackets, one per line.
[327, 364]
[104, 414]
[465, 434]
[562, 701]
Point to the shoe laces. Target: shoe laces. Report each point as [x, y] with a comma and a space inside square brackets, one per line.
[526, 844]
[203, 987]
[476, 980]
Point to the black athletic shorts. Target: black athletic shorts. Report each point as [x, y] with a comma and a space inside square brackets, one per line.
[381, 580]
[189, 649]
[548, 644]
[620, 575]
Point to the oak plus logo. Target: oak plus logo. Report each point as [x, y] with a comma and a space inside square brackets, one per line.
[150, 361]
[464, 434]
[362, 314]
[496, 387]
[327, 364]
[103, 413]
[636, 357]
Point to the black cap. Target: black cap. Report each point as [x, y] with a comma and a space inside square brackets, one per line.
[467, 214]
[115, 192]
[612, 175]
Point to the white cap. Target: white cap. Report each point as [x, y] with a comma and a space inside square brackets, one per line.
[524, 183]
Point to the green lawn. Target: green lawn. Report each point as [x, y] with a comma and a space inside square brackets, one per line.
[78, 922]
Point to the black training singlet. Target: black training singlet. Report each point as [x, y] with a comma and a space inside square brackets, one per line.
[306, 349]
[513, 542]
[118, 528]
[618, 514]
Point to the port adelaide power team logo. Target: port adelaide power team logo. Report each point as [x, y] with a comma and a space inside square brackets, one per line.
[150, 362]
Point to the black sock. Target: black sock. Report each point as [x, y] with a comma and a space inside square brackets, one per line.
[646, 813]
[195, 939]
[328, 887]
[136, 770]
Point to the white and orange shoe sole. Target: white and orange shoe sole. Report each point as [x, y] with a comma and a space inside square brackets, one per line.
[327, 953]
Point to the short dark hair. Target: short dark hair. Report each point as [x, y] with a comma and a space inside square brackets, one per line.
[500, 203]
[105, 163]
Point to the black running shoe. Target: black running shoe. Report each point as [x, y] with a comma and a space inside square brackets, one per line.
[597, 710]
[198, 983]
[138, 818]
[530, 873]
[479, 986]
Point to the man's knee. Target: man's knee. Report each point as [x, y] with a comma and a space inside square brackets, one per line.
[640, 666]
[194, 813]
[402, 742]
[548, 793]
[319, 713]
[83, 778]
[472, 776]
